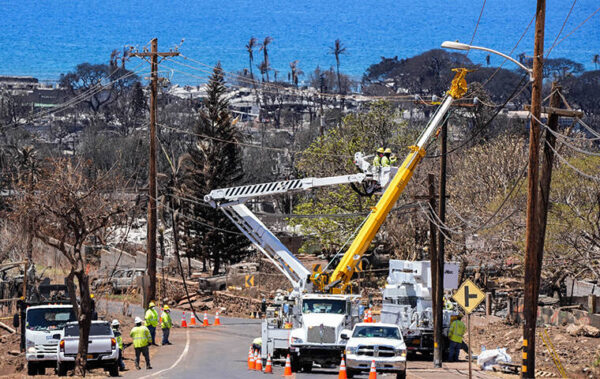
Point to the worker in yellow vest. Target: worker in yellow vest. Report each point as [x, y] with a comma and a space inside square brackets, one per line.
[455, 335]
[152, 321]
[378, 155]
[166, 323]
[385, 160]
[119, 338]
[141, 339]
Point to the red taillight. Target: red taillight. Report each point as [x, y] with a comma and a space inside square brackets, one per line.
[62, 346]
[113, 343]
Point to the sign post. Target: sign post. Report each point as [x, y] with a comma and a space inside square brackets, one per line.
[468, 296]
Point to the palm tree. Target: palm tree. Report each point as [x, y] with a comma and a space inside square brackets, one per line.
[264, 49]
[250, 49]
[596, 60]
[337, 50]
[296, 72]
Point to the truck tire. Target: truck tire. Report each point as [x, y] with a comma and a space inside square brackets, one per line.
[295, 363]
[114, 370]
[350, 373]
[32, 369]
[401, 374]
[41, 370]
[61, 370]
[307, 367]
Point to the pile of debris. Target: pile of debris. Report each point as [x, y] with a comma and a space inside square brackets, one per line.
[575, 345]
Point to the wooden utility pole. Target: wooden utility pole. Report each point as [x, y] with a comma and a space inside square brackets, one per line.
[533, 261]
[437, 271]
[152, 55]
[432, 230]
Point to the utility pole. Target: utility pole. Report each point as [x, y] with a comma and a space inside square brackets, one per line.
[438, 273]
[322, 118]
[152, 57]
[533, 259]
[433, 252]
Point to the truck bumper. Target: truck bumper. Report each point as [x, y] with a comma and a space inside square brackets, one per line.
[363, 363]
[322, 354]
[41, 357]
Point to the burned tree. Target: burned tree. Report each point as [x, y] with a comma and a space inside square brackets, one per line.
[70, 209]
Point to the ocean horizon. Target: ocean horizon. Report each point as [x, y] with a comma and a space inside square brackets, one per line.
[47, 38]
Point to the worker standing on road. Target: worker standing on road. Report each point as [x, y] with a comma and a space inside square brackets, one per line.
[141, 339]
[385, 160]
[378, 155]
[152, 321]
[455, 334]
[166, 324]
[119, 338]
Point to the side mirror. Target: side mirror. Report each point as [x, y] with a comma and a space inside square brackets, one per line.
[344, 336]
[16, 320]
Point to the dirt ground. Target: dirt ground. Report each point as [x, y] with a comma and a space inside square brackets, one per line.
[577, 354]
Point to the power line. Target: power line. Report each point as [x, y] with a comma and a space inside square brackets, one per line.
[561, 29]
[577, 27]
[476, 26]
[566, 161]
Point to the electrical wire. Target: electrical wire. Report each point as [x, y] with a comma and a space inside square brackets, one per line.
[476, 27]
[566, 161]
[577, 27]
[561, 29]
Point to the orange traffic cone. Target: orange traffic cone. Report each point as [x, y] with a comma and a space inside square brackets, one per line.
[258, 362]
[366, 316]
[192, 319]
[269, 366]
[373, 372]
[342, 374]
[205, 321]
[250, 357]
[183, 321]
[288, 367]
[252, 364]
[217, 319]
[370, 315]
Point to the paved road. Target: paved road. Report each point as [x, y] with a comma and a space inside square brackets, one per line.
[221, 352]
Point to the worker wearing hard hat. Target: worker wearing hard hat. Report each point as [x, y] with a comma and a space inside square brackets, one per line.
[455, 335]
[119, 338]
[166, 323]
[385, 160]
[379, 154]
[141, 339]
[152, 321]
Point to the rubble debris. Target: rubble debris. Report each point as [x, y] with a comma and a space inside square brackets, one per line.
[583, 330]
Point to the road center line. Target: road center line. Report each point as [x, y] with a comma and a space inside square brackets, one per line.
[183, 354]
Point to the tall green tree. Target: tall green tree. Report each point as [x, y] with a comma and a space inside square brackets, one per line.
[214, 162]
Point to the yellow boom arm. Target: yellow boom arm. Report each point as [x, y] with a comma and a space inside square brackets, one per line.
[341, 276]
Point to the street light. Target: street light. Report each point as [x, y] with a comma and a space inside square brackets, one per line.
[463, 46]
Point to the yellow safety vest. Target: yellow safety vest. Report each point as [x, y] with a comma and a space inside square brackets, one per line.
[385, 161]
[457, 330]
[166, 321]
[377, 161]
[141, 336]
[119, 339]
[151, 317]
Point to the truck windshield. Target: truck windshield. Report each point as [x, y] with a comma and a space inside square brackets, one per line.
[376, 331]
[49, 318]
[324, 306]
[96, 329]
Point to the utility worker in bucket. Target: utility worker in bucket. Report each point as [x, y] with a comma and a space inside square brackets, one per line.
[455, 335]
[166, 324]
[141, 339]
[151, 317]
[119, 338]
[385, 160]
[378, 155]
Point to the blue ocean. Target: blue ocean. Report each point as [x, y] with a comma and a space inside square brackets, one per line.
[45, 38]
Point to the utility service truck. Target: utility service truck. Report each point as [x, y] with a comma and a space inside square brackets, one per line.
[323, 306]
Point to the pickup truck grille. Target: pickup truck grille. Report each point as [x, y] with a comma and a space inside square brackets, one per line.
[376, 351]
[321, 334]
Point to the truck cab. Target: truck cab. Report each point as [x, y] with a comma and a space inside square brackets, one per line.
[318, 339]
[44, 325]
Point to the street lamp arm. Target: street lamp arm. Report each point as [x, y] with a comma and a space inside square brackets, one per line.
[464, 46]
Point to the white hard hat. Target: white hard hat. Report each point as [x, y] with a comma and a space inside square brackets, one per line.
[115, 322]
[138, 320]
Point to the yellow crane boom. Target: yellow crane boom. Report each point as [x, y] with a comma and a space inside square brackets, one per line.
[340, 279]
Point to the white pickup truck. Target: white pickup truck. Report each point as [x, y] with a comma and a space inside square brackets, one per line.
[382, 343]
[103, 351]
